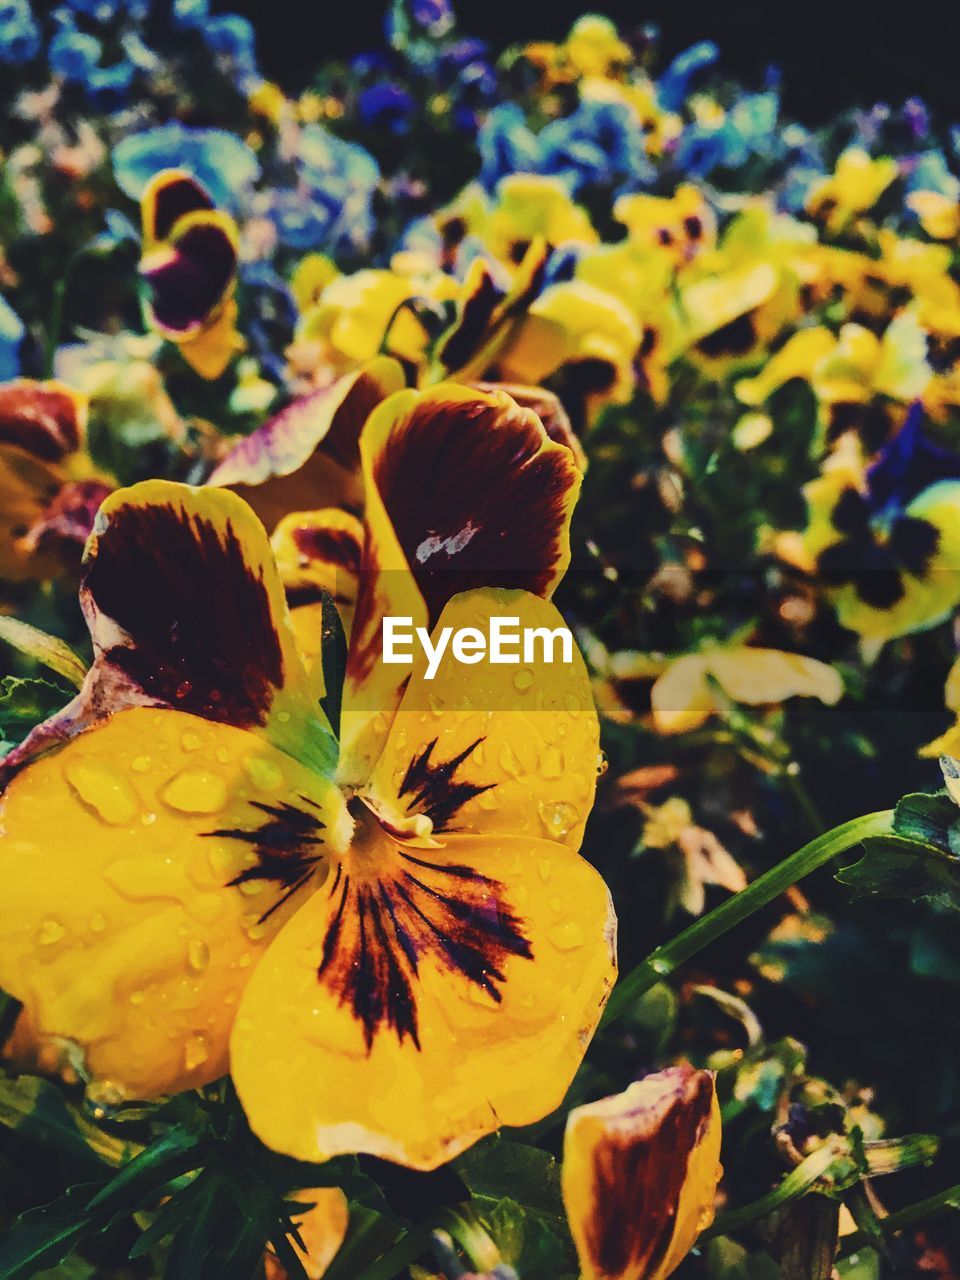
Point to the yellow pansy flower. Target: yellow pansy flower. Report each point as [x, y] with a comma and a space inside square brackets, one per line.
[189, 264]
[594, 47]
[530, 206]
[681, 225]
[640, 1174]
[394, 952]
[856, 184]
[939, 214]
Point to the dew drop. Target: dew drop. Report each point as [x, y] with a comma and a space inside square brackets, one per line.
[98, 922]
[283, 717]
[137, 997]
[103, 788]
[50, 931]
[566, 936]
[551, 763]
[191, 741]
[545, 866]
[523, 679]
[556, 905]
[509, 762]
[436, 704]
[572, 703]
[196, 791]
[198, 955]
[558, 817]
[103, 1098]
[148, 818]
[140, 764]
[263, 772]
[223, 755]
[196, 1051]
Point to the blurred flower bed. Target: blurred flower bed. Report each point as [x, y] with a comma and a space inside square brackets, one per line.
[294, 348]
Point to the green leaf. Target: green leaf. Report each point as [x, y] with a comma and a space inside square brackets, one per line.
[176, 1153]
[45, 1237]
[369, 1236]
[37, 1108]
[920, 860]
[50, 651]
[25, 703]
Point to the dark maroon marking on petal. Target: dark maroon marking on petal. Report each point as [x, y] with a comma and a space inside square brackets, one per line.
[332, 546]
[637, 1179]
[577, 380]
[472, 327]
[548, 409]
[432, 789]
[733, 339]
[201, 634]
[473, 500]
[913, 543]
[187, 287]
[42, 419]
[382, 930]
[174, 198]
[285, 846]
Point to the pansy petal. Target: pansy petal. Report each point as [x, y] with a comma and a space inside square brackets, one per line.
[548, 409]
[475, 491]
[167, 197]
[45, 419]
[308, 455]
[186, 609]
[191, 273]
[27, 487]
[493, 748]
[146, 866]
[210, 348]
[425, 998]
[640, 1173]
[321, 1228]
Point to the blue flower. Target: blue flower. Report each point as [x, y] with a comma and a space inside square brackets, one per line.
[506, 145]
[224, 165]
[19, 34]
[386, 106]
[598, 143]
[231, 36]
[930, 172]
[12, 333]
[677, 81]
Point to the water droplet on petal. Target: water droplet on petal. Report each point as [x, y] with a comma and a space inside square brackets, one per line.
[104, 789]
[102, 1098]
[545, 866]
[196, 791]
[191, 741]
[50, 931]
[263, 772]
[509, 762]
[566, 936]
[551, 763]
[523, 679]
[223, 755]
[283, 717]
[196, 1051]
[572, 703]
[98, 922]
[558, 817]
[137, 997]
[198, 955]
[140, 764]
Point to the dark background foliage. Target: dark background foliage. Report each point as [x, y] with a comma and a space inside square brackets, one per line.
[833, 53]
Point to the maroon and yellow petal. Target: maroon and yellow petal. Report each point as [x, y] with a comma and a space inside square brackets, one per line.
[28, 486]
[45, 419]
[548, 409]
[191, 273]
[186, 610]
[640, 1174]
[423, 998]
[146, 866]
[167, 197]
[308, 455]
[492, 748]
[475, 491]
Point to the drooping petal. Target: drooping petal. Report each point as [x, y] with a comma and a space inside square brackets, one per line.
[186, 609]
[640, 1172]
[308, 455]
[425, 997]
[681, 698]
[493, 748]
[146, 866]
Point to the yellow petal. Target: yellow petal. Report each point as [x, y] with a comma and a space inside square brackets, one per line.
[123, 935]
[640, 1172]
[322, 1228]
[492, 748]
[425, 998]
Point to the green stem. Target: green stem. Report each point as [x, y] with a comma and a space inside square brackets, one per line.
[908, 1217]
[796, 1182]
[667, 958]
[407, 1249]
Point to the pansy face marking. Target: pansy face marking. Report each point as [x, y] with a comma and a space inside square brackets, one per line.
[288, 847]
[385, 926]
[434, 790]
